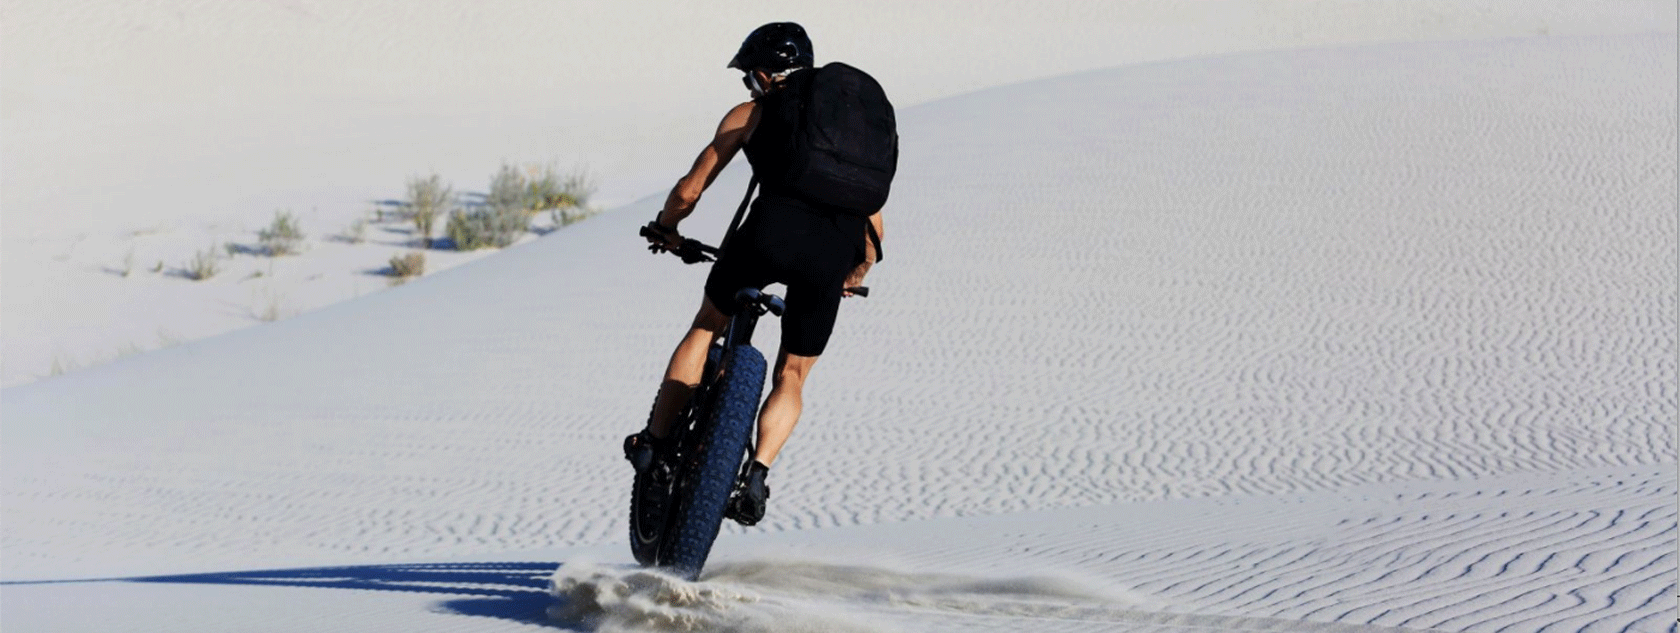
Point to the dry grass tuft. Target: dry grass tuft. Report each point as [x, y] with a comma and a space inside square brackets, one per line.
[408, 265]
[204, 265]
[283, 236]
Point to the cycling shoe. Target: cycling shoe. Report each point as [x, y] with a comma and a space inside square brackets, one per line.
[747, 500]
[643, 448]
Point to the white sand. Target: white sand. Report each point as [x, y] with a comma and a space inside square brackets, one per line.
[1346, 338]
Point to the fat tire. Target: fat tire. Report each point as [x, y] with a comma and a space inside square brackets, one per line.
[718, 448]
[645, 544]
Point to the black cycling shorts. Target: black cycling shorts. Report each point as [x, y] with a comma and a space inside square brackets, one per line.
[784, 241]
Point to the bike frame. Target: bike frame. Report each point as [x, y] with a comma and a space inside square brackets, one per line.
[750, 304]
[718, 394]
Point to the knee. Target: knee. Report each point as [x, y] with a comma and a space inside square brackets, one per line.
[788, 379]
[790, 375]
[709, 318]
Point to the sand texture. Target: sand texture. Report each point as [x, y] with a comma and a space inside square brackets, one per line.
[1374, 337]
[139, 135]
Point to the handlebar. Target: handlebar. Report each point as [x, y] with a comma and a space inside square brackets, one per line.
[693, 251]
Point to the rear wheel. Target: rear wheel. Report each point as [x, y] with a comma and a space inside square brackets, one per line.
[711, 459]
[651, 494]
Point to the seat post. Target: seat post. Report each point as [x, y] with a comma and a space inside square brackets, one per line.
[748, 308]
[741, 328]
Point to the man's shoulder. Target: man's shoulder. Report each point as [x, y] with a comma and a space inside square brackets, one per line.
[742, 109]
[739, 117]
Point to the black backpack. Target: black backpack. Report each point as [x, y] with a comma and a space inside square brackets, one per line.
[844, 143]
[839, 141]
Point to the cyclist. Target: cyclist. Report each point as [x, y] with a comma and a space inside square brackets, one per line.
[788, 239]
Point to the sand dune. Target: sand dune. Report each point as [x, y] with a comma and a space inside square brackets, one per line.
[1360, 338]
[137, 136]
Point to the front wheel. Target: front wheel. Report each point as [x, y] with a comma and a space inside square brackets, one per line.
[717, 447]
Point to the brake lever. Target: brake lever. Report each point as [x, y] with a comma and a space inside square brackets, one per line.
[691, 252]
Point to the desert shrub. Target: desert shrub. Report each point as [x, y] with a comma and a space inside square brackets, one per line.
[428, 198]
[487, 228]
[550, 190]
[544, 188]
[283, 236]
[564, 216]
[566, 198]
[204, 265]
[408, 265]
[509, 190]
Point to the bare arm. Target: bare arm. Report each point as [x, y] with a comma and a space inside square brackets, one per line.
[880, 234]
[731, 135]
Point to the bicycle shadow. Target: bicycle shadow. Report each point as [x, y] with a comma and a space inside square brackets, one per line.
[516, 592]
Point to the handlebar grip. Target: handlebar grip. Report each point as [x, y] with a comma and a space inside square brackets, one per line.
[861, 291]
[691, 251]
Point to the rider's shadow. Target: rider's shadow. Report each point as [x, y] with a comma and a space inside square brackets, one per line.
[507, 591]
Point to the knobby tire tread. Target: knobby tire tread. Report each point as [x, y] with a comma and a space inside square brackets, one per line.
[716, 462]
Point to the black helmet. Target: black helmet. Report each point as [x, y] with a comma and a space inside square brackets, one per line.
[774, 47]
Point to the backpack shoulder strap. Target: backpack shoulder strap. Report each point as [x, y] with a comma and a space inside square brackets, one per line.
[741, 211]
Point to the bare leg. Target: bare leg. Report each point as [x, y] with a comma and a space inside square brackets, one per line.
[682, 374]
[781, 409]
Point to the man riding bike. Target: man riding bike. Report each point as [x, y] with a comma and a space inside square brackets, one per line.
[788, 238]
